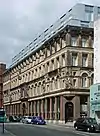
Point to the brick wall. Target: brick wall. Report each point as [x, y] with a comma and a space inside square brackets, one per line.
[2, 69]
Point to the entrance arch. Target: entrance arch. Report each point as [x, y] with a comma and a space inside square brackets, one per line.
[69, 111]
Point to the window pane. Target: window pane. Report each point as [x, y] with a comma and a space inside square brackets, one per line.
[84, 60]
[83, 42]
[84, 82]
[74, 60]
[73, 41]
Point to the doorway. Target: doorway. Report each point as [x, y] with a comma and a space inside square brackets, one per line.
[69, 112]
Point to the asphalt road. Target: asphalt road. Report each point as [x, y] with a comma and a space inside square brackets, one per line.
[45, 130]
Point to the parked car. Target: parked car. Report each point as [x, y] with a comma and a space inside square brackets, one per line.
[38, 120]
[17, 118]
[13, 119]
[87, 124]
[27, 119]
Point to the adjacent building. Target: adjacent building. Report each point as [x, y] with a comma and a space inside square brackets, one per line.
[95, 101]
[2, 69]
[52, 75]
[95, 88]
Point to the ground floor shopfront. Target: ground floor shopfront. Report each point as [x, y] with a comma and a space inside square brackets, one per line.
[59, 108]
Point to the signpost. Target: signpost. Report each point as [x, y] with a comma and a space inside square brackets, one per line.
[2, 118]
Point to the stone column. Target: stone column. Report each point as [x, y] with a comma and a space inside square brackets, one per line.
[61, 108]
[46, 108]
[89, 42]
[79, 41]
[80, 59]
[51, 108]
[68, 38]
[50, 49]
[55, 45]
[90, 60]
[88, 106]
[31, 108]
[21, 109]
[55, 63]
[9, 109]
[45, 52]
[60, 61]
[60, 42]
[56, 108]
[38, 107]
[79, 81]
[76, 102]
[69, 58]
[42, 108]
[88, 81]
[28, 108]
[12, 109]
[34, 108]
[15, 109]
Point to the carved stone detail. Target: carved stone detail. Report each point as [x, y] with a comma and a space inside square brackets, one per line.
[68, 38]
[79, 41]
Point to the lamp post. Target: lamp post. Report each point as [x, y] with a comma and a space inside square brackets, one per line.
[3, 117]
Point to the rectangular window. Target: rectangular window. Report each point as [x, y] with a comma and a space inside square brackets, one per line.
[83, 42]
[84, 60]
[98, 87]
[98, 10]
[89, 13]
[73, 41]
[63, 59]
[74, 59]
[89, 16]
[88, 8]
[84, 82]
[74, 82]
[52, 64]
[48, 67]
[58, 62]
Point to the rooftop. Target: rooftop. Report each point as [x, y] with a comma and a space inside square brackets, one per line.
[61, 23]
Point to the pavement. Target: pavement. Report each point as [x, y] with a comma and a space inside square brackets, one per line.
[19, 129]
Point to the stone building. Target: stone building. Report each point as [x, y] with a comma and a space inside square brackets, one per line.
[53, 81]
[2, 69]
[52, 75]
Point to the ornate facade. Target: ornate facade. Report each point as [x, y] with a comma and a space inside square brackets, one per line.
[53, 81]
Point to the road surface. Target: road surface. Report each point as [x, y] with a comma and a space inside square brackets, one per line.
[19, 129]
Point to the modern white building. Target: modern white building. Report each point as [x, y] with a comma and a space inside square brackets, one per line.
[97, 51]
[95, 88]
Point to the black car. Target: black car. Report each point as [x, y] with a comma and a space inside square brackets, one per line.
[13, 119]
[87, 124]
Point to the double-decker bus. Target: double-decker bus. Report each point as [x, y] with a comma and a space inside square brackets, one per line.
[3, 117]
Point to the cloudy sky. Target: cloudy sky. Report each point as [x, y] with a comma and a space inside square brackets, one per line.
[22, 20]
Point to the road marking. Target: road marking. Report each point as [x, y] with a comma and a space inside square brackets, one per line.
[83, 134]
[10, 133]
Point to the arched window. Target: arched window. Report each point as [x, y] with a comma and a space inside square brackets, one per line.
[84, 80]
[92, 79]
